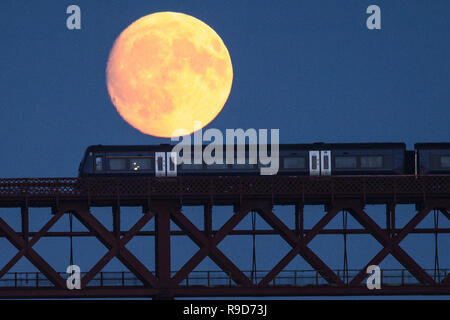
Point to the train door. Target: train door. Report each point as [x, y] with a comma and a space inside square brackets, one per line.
[314, 163]
[325, 162]
[99, 162]
[171, 164]
[165, 164]
[160, 164]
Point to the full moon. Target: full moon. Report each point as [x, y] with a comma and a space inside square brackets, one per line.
[168, 72]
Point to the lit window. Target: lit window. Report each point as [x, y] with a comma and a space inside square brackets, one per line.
[293, 162]
[98, 163]
[117, 164]
[140, 164]
[372, 162]
[345, 162]
[445, 161]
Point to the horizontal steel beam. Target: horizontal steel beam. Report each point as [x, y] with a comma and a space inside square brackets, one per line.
[142, 292]
[234, 232]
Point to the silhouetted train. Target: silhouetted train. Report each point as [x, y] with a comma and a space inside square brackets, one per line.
[294, 159]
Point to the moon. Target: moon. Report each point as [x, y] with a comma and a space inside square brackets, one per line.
[168, 72]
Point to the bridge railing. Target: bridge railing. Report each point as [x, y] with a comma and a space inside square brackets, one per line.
[224, 186]
[296, 278]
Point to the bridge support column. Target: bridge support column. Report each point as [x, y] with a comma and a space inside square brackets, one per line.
[162, 248]
[25, 223]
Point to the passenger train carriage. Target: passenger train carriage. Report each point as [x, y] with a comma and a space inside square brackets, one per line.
[432, 158]
[318, 159]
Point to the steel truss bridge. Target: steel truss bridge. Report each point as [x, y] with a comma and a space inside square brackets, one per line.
[162, 199]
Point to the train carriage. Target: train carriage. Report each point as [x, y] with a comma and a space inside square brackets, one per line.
[432, 158]
[318, 159]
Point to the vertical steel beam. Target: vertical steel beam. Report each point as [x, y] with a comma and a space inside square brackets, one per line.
[298, 246]
[393, 219]
[388, 219]
[105, 236]
[25, 222]
[162, 244]
[392, 245]
[116, 221]
[209, 246]
[207, 219]
[299, 220]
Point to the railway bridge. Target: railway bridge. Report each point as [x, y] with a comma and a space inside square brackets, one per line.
[162, 199]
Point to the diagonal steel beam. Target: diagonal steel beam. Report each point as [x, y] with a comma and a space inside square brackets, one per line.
[31, 255]
[445, 213]
[208, 247]
[187, 268]
[98, 266]
[446, 281]
[124, 255]
[114, 251]
[391, 245]
[33, 241]
[322, 223]
[299, 247]
[12, 262]
[376, 260]
[280, 266]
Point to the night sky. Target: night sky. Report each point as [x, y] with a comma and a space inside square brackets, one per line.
[309, 68]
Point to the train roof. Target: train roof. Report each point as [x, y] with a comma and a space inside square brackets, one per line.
[432, 145]
[283, 146]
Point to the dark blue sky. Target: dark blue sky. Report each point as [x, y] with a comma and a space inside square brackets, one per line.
[310, 68]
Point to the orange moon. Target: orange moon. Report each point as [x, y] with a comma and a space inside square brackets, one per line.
[169, 71]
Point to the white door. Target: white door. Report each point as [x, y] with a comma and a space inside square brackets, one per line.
[325, 162]
[314, 163]
[171, 164]
[160, 164]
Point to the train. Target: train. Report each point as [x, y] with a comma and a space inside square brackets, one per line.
[316, 159]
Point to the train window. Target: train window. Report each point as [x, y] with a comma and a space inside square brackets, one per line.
[294, 163]
[344, 162]
[171, 164]
[117, 164]
[445, 162]
[160, 164]
[99, 163]
[314, 163]
[372, 162]
[141, 164]
[325, 162]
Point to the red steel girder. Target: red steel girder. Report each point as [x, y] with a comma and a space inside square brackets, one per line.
[25, 249]
[162, 199]
[299, 246]
[208, 246]
[146, 292]
[116, 247]
[392, 245]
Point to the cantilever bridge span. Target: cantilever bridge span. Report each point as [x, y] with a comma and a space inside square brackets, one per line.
[162, 199]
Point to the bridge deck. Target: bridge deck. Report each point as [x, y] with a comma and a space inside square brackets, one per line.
[370, 189]
[163, 198]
